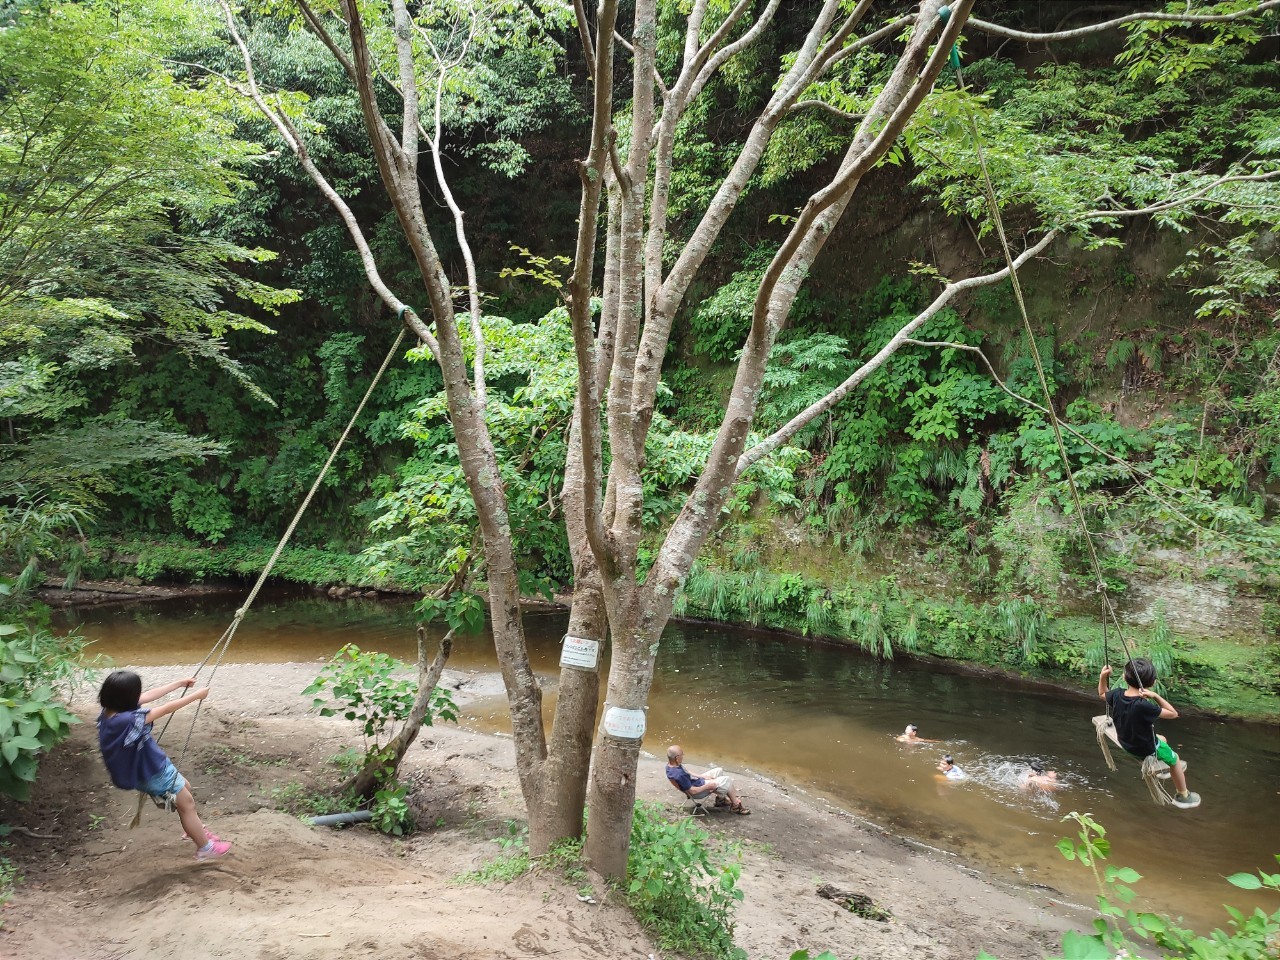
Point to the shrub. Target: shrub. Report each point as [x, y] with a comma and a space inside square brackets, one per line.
[391, 812]
[678, 888]
[370, 695]
[34, 664]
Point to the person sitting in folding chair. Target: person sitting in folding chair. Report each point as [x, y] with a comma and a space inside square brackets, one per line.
[698, 789]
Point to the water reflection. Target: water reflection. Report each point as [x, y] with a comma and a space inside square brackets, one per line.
[825, 719]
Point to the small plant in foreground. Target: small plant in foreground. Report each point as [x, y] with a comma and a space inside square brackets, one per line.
[1254, 937]
[678, 888]
[391, 813]
[564, 858]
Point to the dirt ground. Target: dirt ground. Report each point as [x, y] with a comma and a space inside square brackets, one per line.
[288, 891]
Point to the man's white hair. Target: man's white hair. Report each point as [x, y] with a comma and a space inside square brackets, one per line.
[674, 752]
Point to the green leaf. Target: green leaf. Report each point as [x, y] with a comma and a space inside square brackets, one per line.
[1153, 923]
[1245, 881]
[8, 629]
[1078, 946]
[1067, 848]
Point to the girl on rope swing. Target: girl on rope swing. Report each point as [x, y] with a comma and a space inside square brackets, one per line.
[136, 762]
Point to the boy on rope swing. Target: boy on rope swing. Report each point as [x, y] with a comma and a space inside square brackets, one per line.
[1134, 711]
[136, 762]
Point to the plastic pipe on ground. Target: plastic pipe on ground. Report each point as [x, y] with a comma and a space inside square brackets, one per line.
[333, 819]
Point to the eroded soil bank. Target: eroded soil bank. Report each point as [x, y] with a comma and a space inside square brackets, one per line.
[98, 890]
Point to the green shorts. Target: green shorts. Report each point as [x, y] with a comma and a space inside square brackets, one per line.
[1165, 752]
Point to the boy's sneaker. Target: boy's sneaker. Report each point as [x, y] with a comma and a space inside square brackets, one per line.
[1186, 802]
[220, 848]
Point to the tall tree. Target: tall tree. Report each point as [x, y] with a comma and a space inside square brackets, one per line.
[110, 173]
[888, 63]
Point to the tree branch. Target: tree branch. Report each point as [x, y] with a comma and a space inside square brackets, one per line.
[815, 410]
[318, 28]
[1029, 36]
[586, 351]
[823, 105]
[584, 35]
[294, 141]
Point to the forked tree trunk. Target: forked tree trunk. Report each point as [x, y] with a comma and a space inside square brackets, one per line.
[639, 613]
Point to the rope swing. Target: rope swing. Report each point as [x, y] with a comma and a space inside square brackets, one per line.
[1154, 771]
[223, 642]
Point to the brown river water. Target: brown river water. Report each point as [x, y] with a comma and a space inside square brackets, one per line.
[824, 718]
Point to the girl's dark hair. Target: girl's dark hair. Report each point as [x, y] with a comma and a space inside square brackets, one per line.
[120, 691]
[1140, 672]
[1037, 766]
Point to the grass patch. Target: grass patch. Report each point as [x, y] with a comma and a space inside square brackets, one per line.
[9, 880]
[301, 801]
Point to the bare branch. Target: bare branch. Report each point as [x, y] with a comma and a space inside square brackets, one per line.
[1198, 194]
[584, 35]
[1030, 36]
[318, 28]
[719, 59]
[823, 105]
[888, 30]
[586, 352]
[464, 245]
[839, 38]
[815, 410]
[863, 155]
[408, 86]
[295, 143]
[657, 77]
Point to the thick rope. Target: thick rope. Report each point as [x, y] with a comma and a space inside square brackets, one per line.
[1151, 766]
[1109, 612]
[223, 642]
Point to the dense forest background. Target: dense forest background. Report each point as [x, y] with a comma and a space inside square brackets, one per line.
[186, 329]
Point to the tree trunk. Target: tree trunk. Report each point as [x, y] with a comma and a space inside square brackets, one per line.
[555, 811]
[612, 794]
[364, 784]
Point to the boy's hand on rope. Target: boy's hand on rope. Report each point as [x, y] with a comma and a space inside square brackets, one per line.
[1106, 672]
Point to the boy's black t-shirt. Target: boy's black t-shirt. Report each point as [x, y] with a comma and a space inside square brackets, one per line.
[1135, 719]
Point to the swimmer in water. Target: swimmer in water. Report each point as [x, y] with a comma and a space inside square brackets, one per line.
[947, 767]
[909, 735]
[1038, 778]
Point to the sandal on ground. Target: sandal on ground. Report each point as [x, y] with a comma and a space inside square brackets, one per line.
[740, 810]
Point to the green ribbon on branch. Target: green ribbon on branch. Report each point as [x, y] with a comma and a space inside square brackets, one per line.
[944, 14]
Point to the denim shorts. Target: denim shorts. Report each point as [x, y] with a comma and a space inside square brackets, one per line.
[167, 781]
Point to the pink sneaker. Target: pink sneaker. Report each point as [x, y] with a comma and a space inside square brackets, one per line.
[213, 850]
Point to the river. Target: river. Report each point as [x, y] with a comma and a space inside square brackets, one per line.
[824, 718]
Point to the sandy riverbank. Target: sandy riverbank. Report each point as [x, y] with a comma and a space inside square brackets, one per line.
[99, 891]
